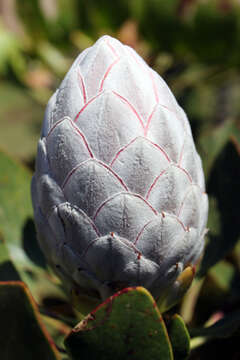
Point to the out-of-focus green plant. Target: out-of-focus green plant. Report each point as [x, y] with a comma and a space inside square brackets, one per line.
[194, 45]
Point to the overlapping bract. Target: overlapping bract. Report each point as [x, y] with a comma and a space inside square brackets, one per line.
[118, 194]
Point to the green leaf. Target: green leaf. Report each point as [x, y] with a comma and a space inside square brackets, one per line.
[127, 325]
[7, 269]
[53, 58]
[17, 228]
[211, 143]
[223, 275]
[236, 138]
[22, 333]
[20, 121]
[57, 329]
[189, 302]
[15, 208]
[33, 19]
[179, 337]
[223, 190]
[220, 290]
[11, 52]
[15, 203]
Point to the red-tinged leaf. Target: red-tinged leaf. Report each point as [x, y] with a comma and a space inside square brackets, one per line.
[127, 325]
[22, 334]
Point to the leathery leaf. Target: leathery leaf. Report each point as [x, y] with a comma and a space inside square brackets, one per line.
[22, 333]
[127, 325]
[179, 337]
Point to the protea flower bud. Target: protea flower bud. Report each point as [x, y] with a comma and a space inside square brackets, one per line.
[118, 194]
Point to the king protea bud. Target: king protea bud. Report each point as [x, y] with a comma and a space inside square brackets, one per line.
[118, 193]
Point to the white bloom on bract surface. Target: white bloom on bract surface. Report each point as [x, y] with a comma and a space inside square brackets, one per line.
[118, 193]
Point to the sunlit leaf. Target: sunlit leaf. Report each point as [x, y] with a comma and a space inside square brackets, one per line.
[127, 325]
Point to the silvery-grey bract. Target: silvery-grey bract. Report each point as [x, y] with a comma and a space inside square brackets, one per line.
[118, 193]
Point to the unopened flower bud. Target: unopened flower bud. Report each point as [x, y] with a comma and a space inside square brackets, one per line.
[118, 193]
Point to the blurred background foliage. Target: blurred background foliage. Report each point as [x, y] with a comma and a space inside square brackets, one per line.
[194, 45]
